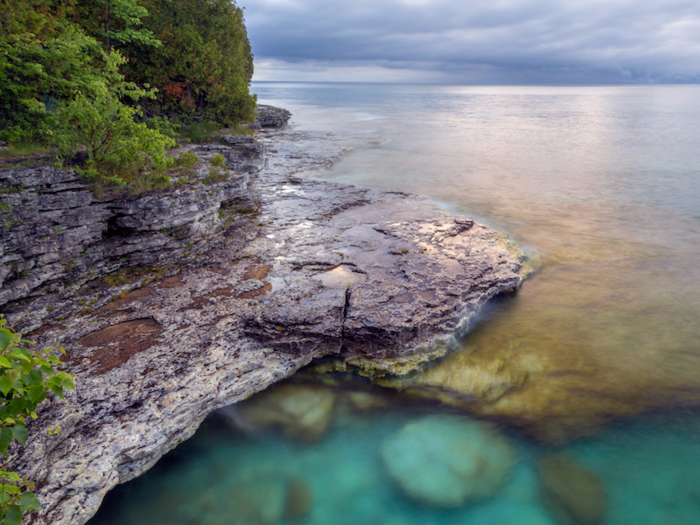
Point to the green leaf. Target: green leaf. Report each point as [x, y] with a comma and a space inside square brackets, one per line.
[68, 384]
[13, 516]
[19, 432]
[33, 378]
[57, 390]
[11, 489]
[16, 406]
[30, 501]
[5, 338]
[36, 394]
[4, 362]
[5, 385]
[5, 439]
[19, 355]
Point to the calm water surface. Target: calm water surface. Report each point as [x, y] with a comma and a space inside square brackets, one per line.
[600, 186]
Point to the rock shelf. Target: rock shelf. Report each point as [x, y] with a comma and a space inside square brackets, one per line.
[284, 269]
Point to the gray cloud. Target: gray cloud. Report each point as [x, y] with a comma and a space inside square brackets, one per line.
[498, 40]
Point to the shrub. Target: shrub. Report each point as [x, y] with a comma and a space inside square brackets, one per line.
[26, 377]
[118, 147]
[218, 160]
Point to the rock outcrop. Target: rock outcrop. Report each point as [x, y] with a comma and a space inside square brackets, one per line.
[58, 236]
[290, 268]
[270, 117]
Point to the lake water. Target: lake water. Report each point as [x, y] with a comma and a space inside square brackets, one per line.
[600, 186]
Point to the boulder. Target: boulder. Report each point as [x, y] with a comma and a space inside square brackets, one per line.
[448, 460]
[302, 412]
[575, 494]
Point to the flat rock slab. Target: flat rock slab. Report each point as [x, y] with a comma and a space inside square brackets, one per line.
[381, 279]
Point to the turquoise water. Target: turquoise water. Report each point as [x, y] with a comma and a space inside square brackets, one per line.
[649, 468]
[601, 187]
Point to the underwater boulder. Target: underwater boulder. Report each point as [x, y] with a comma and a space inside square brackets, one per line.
[298, 501]
[574, 494]
[366, 401]
[301, 412]
[447, 460]
[260, 503]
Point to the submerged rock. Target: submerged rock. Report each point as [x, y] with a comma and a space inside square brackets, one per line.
[365, 401]
[302, 412]
[299, 500]
[448, 460]
[258, 502]
[575, 494]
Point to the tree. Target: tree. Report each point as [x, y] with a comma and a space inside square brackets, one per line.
[204, 68]
[115, 23]
[44, 58]
[118, 147]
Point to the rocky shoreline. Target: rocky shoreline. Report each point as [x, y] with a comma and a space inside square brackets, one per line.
[222, 288]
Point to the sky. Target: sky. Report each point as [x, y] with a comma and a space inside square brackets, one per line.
[476, 41]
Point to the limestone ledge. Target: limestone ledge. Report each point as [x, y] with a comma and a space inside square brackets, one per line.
[312, 268]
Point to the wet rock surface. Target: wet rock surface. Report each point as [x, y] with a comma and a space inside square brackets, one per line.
[294, 269]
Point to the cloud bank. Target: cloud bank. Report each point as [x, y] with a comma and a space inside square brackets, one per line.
[496, 41]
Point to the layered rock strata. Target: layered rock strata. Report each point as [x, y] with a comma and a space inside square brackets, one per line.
[58, 235]
[310, 268]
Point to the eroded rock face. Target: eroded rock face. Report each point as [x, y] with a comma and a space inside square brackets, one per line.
[301, 269]
[58, 235]
[448, 460]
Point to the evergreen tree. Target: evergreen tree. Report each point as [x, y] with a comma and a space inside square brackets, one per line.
[204, 68]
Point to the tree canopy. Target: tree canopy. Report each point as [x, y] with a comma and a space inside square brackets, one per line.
[193, 55]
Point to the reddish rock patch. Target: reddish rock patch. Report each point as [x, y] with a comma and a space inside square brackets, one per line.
[254, 293]
[128, 298]
[200, 302]
[117, 343]
[45, 328]
[221, 271]
[256, 272]
[172, 282]
[219, 292]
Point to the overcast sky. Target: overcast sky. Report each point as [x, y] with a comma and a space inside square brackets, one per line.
[477, 41]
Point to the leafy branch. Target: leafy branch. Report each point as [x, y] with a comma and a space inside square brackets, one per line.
[26, 378]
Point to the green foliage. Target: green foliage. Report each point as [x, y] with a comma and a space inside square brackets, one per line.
[44, 57]
[26, 377]
[215, 176]
[204, 68]
[120, 150]
[218, 160]
[62, 83]
[187, 159]
[199, 131]
[115, 22]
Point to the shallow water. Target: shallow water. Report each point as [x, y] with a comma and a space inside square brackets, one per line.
[601, 187]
